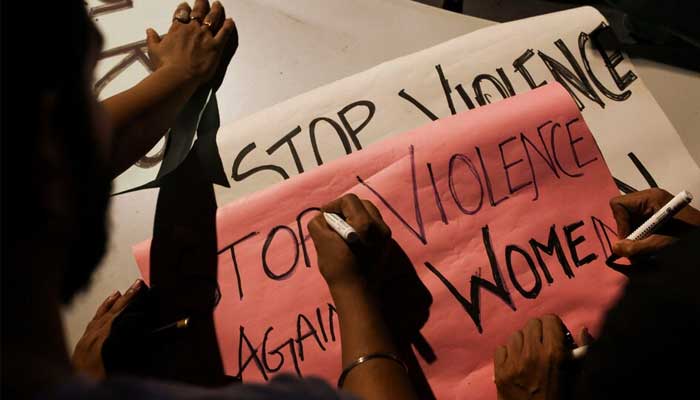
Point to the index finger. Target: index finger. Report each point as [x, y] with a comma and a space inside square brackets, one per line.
[319, 230]
[349, 206]
[377, 217]
[106, 304]
[500, 356]
[622, 217]
[124, 300]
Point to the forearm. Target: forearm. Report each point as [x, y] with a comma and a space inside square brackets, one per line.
[141, 115]
[364, 332]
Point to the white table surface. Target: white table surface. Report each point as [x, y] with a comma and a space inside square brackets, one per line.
[290, 47]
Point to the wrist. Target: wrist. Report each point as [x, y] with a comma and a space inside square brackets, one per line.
[180, 77]
[349, 290]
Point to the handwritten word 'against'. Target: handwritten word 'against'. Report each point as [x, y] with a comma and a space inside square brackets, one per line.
[271, 354]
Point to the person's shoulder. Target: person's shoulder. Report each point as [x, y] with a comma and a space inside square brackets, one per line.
[286, 387]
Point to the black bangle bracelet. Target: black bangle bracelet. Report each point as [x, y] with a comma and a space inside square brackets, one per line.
[388, 356]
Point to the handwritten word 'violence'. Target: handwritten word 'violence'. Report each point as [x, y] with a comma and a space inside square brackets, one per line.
[579, 79]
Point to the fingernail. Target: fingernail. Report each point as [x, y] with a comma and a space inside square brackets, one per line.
[136, 285]
[115, 294]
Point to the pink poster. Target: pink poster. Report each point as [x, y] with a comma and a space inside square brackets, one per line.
[502, 211]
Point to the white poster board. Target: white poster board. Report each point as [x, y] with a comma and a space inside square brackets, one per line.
[342, 117]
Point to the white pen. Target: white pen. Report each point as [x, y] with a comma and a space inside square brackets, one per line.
[579, 352]
[665, 213]
[341, 227]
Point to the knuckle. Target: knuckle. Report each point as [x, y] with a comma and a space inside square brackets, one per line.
[615, 201]
[351, 196]
[516, 335]
[364, 225]
[314, 224]
[551, 318]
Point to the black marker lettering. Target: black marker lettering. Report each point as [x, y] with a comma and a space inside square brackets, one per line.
[479, 91]
[292, 351]
[601, 231]
[438, 200]
[288, 140]
[582, 40]
[506, 81]
[546, 157]
[239, 176]
[489, 188]
[507, 166]
[554, 152]
[310, 332]
[304, 237]
[519, 65]
[605, 34]
[465, 97]
[446, 88]
[353, 132]
[417, 104]
[420, 234]
[528, 294]
[577, 79]
[573, 243]
[553, 245]
[253, 356]
[331, 312]
[266, 246]
[338, 129]
[453, 189]
[497, 287]
[573, 147]
[275, 352]
[320, 324]
[235, 261]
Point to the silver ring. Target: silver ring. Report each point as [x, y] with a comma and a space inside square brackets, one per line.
[182, 16]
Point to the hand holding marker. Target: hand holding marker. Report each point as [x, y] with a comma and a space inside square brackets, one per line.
[341, 227]
[665, 213]
[648, 228]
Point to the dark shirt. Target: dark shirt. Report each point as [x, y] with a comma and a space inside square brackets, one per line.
[648, 346]
[281, 387]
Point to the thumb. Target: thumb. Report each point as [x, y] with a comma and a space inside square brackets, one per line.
[585, 338]
[626, 248]
[152, 37]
